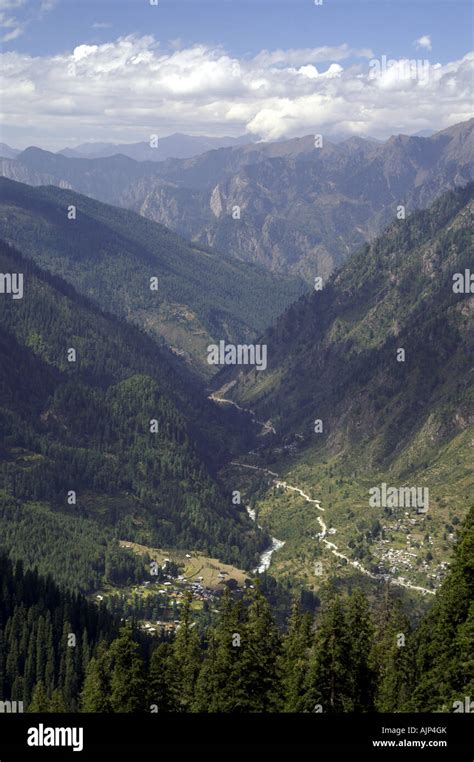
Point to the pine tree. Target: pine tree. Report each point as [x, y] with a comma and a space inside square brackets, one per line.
[260, 654]
[40, 649]
[12, 660]
[159, 693]
[69, 668]
[439, 677]
[127, 685]
[392, 657]
[18, 689]
[57, 705]
[95, 695]
[219, 686]
[184, 664]
[328, 687]
[85, 653]
[30, 669]
[39, 699]
[361, 632]
[293, 662]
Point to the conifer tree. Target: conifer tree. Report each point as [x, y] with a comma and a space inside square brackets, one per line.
[69, 669]
[392, 657]
[159, 691]
[293, 662]
[260, 654]
[18, 689]
[127, 686]
[29, 671]
[95, 695]
[85, 652]
[328, 687]
[443, 636]
[360, 630]
[219, 686]
[57, 705]
[12, 660]
[184, 663]
[39, 699]
[40, 649]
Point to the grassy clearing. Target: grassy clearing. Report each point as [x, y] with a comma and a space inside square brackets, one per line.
[193, 565]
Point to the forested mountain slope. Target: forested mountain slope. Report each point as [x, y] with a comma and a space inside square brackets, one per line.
[101, 438]
[111, 255]
[335, 351]
[370, 381]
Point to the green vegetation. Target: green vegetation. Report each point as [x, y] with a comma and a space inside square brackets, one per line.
[118, 427]
[351, 658]
[333, 356]
[110, 255]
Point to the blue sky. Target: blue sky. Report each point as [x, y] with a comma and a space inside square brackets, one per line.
[120, 70]
[246, 26]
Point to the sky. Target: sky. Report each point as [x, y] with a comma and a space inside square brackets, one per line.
[120, 70]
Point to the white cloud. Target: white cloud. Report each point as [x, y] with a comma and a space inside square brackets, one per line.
[32, 12]
[101, 25]
[129, 88]
[9, 22]
[423, 42]
[309, 55]
[17, 31]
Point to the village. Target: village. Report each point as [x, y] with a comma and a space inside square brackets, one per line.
[156, 601]
[410, 560]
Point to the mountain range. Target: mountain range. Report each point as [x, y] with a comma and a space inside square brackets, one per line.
[177, 146]
[111, 255]
[299, 206]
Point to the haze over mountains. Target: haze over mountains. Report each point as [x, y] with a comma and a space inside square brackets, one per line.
[290, 206]
[236, 374]
[176, 146]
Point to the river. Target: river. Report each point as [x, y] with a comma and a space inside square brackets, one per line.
[266, 556]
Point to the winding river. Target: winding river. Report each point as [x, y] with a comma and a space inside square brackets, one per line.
[266, 556]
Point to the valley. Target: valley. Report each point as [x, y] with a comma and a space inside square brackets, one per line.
[236, 376]
[309, 491]
[321, 537]
[333, 470]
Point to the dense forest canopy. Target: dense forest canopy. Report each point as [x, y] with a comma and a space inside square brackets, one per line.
[61, 653]
[111, 443]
